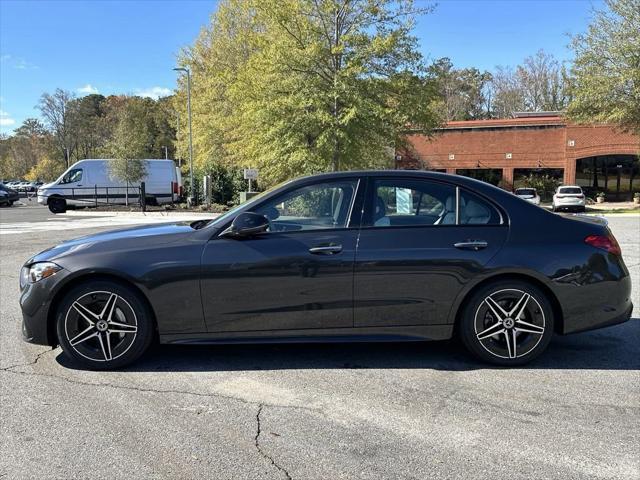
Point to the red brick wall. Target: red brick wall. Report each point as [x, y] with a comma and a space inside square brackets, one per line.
[532, 143]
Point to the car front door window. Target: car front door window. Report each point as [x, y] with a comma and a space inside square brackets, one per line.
[313, 207]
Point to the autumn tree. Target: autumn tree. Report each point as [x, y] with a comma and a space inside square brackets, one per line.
[606, 69]
[59, 116]
[308, 85]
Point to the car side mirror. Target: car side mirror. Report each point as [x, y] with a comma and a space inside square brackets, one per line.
[247, 224]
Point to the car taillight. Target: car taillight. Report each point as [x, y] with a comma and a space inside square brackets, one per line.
[175, 188]
[604, 242]
[581, 196]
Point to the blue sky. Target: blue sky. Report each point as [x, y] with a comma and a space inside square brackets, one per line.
[131, 46]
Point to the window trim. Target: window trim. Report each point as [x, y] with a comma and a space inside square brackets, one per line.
[369, 199]
[350, 224]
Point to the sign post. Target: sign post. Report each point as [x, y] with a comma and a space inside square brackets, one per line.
[250, 174]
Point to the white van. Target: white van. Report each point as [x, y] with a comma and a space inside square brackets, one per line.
[88, 183]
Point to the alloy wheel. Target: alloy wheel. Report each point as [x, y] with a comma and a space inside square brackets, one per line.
[101, 326]
[509, 323]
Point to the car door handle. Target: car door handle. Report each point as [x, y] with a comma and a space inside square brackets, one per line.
[326, 249]
[471, 245]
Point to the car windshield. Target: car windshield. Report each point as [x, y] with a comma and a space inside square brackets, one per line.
[526, 191]
[573, 190]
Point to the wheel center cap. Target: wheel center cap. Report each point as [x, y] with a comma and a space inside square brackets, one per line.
[508, 323]
[102, 326]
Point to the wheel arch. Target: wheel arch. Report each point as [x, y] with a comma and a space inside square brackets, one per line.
[91, 276]
[523, 277]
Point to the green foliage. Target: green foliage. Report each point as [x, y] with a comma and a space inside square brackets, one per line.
[300, 86]
[132, 141]
[226, 182]
[544, 184]
[606, 70]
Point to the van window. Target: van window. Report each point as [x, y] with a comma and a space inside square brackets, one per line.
[72, 176]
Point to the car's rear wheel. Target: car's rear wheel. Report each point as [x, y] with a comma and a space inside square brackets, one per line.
[507, 323]
[103, 325]
[57, 205]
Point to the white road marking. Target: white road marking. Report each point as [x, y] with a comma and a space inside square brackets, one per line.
[77, 223]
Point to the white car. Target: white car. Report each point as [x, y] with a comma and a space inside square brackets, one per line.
[569, 197]
[528, 194]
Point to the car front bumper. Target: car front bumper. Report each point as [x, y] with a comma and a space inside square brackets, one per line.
[36, 304]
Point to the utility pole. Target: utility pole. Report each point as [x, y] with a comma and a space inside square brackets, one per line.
[193, 187]
[166, 152]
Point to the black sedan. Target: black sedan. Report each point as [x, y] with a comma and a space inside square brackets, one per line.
[350, 256]
[7, 195]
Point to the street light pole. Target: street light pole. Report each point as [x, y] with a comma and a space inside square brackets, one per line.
[193, 187]
[166, 152]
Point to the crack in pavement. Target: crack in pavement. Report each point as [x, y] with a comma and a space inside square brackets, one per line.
[10, 369]
[33, 362]
[259, 448]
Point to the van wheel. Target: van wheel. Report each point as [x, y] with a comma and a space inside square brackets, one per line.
[57, 205]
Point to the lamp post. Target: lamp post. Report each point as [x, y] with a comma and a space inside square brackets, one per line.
[166, 152]
[193, 187]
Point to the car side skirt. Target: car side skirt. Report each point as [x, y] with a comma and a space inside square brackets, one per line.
[321, 335]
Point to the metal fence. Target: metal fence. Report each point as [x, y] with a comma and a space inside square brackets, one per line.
[97, 195]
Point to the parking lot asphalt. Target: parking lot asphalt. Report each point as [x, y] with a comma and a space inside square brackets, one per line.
[423, 410]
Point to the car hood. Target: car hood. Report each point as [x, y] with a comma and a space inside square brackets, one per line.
[111, 241]
[46, 185]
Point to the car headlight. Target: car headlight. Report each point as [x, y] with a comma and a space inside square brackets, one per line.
[37, 271]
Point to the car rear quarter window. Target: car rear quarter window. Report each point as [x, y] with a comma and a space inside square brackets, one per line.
[477, 211]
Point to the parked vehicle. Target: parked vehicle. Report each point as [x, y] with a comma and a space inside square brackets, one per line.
[7, 196]
[89, 183]
[569, 197]
[528, 194]
[374, 256]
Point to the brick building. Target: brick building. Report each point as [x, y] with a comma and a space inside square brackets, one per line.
[504, 151]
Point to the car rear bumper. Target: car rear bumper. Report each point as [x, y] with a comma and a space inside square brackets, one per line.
[598, 305]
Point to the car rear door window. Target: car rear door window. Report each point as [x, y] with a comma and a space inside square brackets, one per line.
[406, 202]
[399, 202]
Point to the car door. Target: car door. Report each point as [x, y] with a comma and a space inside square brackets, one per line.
[298, 275]
[421, 242]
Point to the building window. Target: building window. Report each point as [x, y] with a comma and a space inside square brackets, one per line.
[616, 175]
[489, 175]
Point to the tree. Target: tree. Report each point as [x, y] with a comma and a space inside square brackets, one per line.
[538, 84]
[309, 85]
[606, 69]
[60, 119]
[542, 83]
[463, 92]
[131, 143]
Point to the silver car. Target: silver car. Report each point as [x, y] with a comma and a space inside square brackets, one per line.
[569, 197]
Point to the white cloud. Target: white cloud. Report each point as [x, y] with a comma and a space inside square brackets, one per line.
[154, 92]
[5, 119]
[88, 89]
[17, 62]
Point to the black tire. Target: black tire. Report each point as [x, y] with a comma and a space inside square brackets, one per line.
[511, 341]
[57, 205]
[116, 338]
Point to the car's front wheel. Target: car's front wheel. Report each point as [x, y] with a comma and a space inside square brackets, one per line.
[507, 323]
[103, 325]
